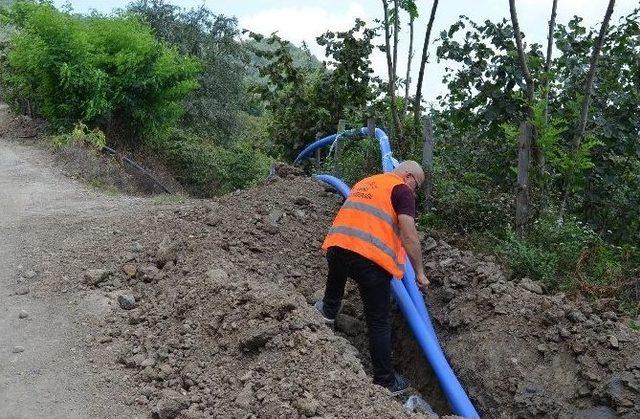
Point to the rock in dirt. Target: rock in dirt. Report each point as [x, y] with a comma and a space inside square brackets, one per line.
[167, 252]
[23, 314]
[302, 201]
[23, 290]
[96, 304]
[416, 404]
[170, 404]
[129, 269]
[17, 349]
[257, 337]
[245, 397]
[127, 301]
[137, 247]
[307, 406]
[530, 285]
[430, 244]
[30, 274]
[96, 276]
[217, 276]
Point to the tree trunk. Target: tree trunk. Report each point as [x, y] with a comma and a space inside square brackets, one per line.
[588, 86]
[588, 90]
[391, 69]
[407, 82]
[526, 135]
[427, 161]
[547, 63]
[521, 54]
[522, 193]
[318, 153]
[423, 62]
[396, 29]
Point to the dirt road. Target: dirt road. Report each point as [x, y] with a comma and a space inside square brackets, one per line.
[44, 370]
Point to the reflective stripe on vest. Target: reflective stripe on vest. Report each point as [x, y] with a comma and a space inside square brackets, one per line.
[370, 209]
[371, 239]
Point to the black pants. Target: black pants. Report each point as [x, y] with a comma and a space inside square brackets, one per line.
[375, 288]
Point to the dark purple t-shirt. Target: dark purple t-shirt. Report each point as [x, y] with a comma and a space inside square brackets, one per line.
[403, 200]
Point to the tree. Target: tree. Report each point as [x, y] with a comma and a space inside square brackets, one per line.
[301, 102]
[106, 72]
[410, 7]
[581, 151]
[593, 62]
[525, 138]
[348, 83]
[423, 61]
[391, 69]
[547, 62]
[214, 108]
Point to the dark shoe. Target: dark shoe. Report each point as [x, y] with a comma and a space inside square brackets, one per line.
[319, 306]
[399, 386]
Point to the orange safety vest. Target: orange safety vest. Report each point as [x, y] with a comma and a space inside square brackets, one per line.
[367, 224]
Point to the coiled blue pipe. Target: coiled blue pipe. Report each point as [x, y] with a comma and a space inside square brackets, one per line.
[408, 295]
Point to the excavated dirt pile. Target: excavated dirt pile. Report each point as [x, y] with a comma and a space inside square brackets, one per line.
[206, 305]
[217, 321]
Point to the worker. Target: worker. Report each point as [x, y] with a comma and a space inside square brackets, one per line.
[368, 242]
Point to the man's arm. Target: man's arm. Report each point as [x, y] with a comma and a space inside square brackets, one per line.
[411, 243]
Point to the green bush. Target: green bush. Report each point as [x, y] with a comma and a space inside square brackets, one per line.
[108, 72]
[81, 134]
[467, 203]
[565, 254]
[209, 170]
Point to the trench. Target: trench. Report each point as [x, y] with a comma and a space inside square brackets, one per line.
[407, 356]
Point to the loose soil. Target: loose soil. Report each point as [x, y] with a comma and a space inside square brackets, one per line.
[203, 309]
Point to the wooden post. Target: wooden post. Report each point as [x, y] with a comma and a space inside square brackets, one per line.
[318, 153]
[427, 160]
[522, 193]
[336, 151]
[369, 163]
[371, 126]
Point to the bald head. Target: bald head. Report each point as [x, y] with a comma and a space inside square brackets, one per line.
[410, 169]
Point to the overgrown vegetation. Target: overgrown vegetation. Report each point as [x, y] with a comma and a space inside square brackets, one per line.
[137, 76]
[583, 232]
[106, 72]
[218, 106]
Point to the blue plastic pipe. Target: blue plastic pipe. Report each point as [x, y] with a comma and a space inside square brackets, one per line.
[409, 281]
[335, 183]
[408, 295]
[308, 150]
[388, 162]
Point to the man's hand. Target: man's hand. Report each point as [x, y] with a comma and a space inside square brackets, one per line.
[423, 281]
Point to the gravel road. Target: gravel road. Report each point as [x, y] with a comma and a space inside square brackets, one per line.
[44, 367]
